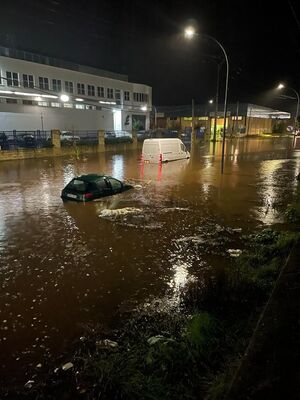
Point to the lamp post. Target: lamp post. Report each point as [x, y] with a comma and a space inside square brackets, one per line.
[282, 86]
[189, 34]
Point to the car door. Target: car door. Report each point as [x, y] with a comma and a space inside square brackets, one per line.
[116, 186]
[104, 187]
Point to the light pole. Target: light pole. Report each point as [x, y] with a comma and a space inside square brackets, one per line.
[189, 34]
[282, 86]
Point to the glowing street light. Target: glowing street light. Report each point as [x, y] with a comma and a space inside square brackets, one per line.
[144, 108]
[189, 33]
[282, 86]
[211, 101]
[64, 98]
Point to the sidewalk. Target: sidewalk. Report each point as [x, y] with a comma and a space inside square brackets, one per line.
[271, 368]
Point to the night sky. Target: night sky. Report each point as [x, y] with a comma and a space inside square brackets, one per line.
[144, 40]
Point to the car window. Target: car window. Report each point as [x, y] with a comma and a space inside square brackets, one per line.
[115, 184]
[102, 185]
[78, 185]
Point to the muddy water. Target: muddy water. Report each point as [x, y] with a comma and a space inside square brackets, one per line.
[66, 265]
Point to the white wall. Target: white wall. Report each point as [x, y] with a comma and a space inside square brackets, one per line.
[18, 117]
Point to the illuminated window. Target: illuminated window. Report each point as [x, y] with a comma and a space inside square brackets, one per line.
[55, 105]
[42, 103]
[12, 78]
[79, 106]
[68, 105]
[80, 88]
[56, 85]
[28, 81]
[100, 91]
[89, 107]
[69, 87]
[126, 96]
[91, 90]
[43, 83]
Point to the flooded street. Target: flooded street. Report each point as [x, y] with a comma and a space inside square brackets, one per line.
[64, 266]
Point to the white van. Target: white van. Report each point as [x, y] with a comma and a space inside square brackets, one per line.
[164, 150]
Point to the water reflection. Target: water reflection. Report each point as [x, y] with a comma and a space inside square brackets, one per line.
[63, 266]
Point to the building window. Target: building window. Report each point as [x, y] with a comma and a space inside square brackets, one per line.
[69, 87]
[56, 85]
[28, 102]
[100, 91]
[91, 90]
[126, 96]
[80, 88]
[68, 105]
[43, 83]
[89, 107]
[140, 97]
[28, 81]
[110, 93]
[118, 94]
[11, 101]
[79, 106]
[12, 78]
[55, 105]
[43, 103]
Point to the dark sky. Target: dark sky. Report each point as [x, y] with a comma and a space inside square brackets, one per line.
[144, 40]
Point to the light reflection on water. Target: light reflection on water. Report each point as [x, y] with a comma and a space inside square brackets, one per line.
[63, 266]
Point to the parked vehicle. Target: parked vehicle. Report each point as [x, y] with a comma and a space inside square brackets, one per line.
[92, 186]
[27, 140]
[164, 150]
[67, 136]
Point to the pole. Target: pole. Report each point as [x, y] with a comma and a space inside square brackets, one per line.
[217, 104]
[193, 123]
[155, 118]
[297, 109]
[225, 97]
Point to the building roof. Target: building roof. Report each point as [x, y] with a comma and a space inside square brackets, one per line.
[233, 109]
[55, 62]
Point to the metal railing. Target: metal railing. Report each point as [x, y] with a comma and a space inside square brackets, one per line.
[69, 138]
[113, 136]
[12, 140]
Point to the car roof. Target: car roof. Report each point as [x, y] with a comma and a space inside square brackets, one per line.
[92, 177]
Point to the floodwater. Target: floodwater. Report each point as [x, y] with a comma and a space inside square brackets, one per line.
[64, 266]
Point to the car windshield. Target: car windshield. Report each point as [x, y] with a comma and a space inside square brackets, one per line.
[77, 185]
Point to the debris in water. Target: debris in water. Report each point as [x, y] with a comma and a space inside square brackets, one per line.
[106, 344]
[39, 365]
[119, 212]
[29, 384]
[234, 252]
[67, 366]
[155, 339]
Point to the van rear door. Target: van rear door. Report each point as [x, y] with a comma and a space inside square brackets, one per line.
[151, 151]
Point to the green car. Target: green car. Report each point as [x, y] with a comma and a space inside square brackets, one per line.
[92, 186]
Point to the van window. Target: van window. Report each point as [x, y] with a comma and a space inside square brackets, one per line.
[182, 146]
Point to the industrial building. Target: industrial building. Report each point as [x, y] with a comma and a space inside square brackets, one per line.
[242, 119]
[43, 93]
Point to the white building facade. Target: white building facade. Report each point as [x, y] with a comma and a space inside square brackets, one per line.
[41, 93]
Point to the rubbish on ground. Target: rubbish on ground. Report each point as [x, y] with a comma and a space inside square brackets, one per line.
[67, 366]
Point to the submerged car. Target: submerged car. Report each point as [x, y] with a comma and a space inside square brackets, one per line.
[92, 186]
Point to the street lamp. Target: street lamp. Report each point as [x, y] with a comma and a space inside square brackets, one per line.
[211, 101]
[189, 33]
[64, 98]
[282, 86]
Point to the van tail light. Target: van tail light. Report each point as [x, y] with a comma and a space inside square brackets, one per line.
[88, 195]
[160, 158]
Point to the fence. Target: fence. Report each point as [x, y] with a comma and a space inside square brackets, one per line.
[12, 140]
[68, 138]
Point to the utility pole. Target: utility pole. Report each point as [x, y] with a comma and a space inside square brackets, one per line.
[193, 123]
[217, 103]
